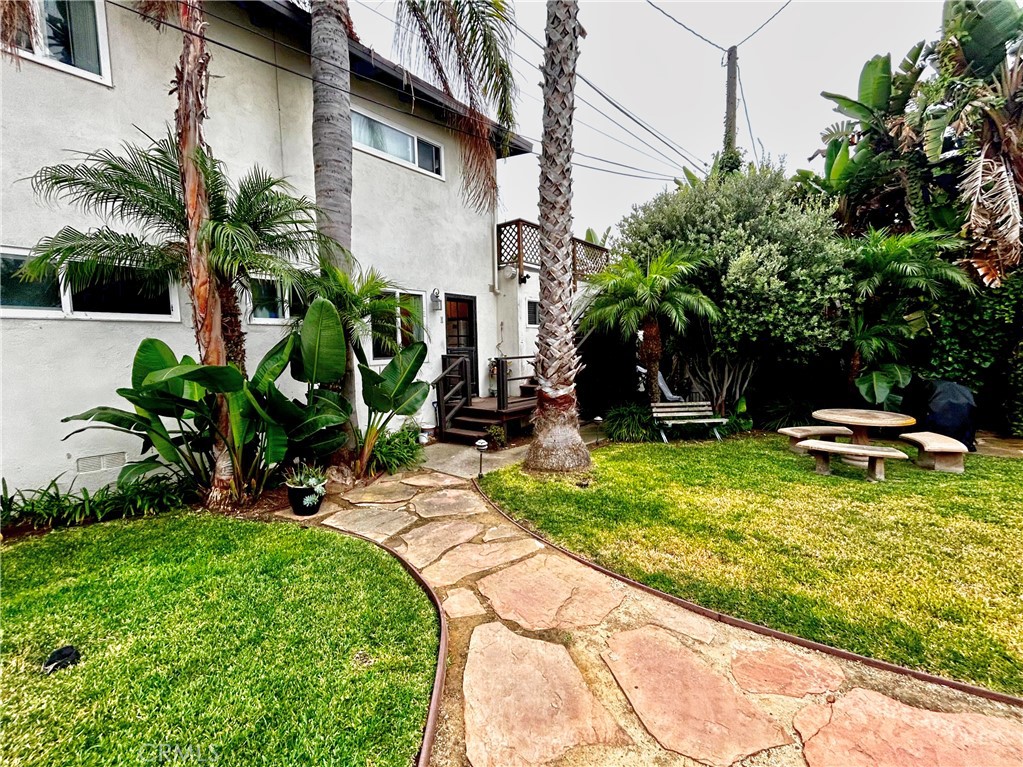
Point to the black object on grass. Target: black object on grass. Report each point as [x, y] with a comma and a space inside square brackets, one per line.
[62, 657]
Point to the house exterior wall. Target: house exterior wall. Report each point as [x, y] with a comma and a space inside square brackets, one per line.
[413, 227]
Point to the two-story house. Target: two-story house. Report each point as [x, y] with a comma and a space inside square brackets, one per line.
[94, 75]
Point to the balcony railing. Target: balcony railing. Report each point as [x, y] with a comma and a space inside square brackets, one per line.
[518, 245]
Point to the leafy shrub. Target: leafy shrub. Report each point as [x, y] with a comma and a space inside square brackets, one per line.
[630, 423]
[397, 450]
[52, 507]
[497, 435]
[1015, 401]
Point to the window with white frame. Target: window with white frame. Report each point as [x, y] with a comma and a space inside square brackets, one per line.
[68, 35]
[128, 298]
[270, 303]
[404, 328]
[533, 313]
[394, 143]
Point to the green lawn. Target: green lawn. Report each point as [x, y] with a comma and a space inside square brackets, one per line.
[207, 640]
[923, 570]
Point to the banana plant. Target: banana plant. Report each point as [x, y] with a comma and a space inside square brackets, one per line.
[317, 354]
[876, 385]
[391, 392]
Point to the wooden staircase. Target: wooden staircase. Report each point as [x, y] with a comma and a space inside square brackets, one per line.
[464, 418]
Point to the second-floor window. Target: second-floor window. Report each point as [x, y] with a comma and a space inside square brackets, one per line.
[68, 35]
[380, 138]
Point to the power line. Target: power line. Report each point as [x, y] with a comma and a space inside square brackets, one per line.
[769, 20]
[745, 108]
[597, 109]
[688, 29]
[671, 163]
[674, 146]
[310, 78]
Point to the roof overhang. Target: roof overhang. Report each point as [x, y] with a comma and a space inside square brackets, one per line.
[369, 66]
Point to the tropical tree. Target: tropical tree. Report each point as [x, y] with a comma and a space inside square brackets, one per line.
[629, 297]
[557, 445]
[896, 279]
[257, 229]
[466, 48]
[369, 303]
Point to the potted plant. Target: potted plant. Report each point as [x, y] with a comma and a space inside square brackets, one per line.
[306, 487]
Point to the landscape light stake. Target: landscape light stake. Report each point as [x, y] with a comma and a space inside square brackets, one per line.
[481, 445]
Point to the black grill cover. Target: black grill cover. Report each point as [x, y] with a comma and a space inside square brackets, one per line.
[952, 411]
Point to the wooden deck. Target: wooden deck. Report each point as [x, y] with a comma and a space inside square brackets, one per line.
[516, 405]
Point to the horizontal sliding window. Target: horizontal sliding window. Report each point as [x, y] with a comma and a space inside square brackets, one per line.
[373, 134]
[133, 296]
[272, 303]
[67, 34]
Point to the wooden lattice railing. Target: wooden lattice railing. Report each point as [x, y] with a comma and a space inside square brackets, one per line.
[518, 245]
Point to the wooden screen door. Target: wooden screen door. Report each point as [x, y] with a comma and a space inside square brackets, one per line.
[460, 326]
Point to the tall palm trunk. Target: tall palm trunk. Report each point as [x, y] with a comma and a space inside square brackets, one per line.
[231, 325]
[557, 445]
[332, 138]
[651, 350]
[192, 79]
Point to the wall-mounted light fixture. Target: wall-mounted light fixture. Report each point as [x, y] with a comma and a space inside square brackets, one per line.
[435, 302]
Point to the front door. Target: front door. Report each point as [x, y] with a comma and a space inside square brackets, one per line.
[460, 325]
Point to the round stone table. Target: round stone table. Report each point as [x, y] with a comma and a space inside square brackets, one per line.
[860, 422]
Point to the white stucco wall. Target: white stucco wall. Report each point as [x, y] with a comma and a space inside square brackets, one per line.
[413, 227]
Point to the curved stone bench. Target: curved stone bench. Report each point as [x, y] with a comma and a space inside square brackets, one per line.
[937, 452]
[797, 434]
[875, 455]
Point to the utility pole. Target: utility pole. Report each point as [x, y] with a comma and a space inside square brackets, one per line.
[733, 66]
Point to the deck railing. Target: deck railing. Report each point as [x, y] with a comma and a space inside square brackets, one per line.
[504, 377]
[454, 390]
[518, 245]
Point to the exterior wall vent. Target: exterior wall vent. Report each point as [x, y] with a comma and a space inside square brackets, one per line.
[91, 463]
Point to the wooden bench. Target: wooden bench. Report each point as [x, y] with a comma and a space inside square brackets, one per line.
[875, 455]
[682, 413]
[797, 434]
[937, 452]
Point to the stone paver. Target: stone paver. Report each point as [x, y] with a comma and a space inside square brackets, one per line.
[424, 544]
[472, 558]
[501, 532]
[381, 492]
[551, 591]
[685, 704]
[679, 619]
[434, 479]
[450, 502]
[526, 702]
[377, 524]
[779, 671]
[868, 729]
[530, 701]
[462, 603]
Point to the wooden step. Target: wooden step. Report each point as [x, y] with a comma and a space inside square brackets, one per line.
[473, 423]
[529, 389]
[467, 436]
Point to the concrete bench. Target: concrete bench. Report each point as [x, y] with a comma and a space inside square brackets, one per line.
[681, 413]
[937, 452]
[875, 455]
[797, 434]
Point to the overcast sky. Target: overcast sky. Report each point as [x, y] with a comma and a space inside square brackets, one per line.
[676, 83]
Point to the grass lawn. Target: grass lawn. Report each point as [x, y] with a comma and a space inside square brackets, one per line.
[923, 570]
[207, 640]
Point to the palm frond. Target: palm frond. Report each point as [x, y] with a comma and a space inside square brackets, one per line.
[17, 19]
[102, 256]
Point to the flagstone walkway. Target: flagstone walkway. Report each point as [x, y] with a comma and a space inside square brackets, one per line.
[554, 663]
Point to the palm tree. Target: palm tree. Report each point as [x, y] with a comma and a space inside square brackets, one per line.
[629, 298]
[255, 230]
[557, 445]
[369, 303]
[466, 47]
[894, 276]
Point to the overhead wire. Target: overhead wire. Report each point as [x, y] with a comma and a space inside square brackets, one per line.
[672, 145]
[580, 98]
[771, 18]
[687, 28]
[745, 108]
[384, 105]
